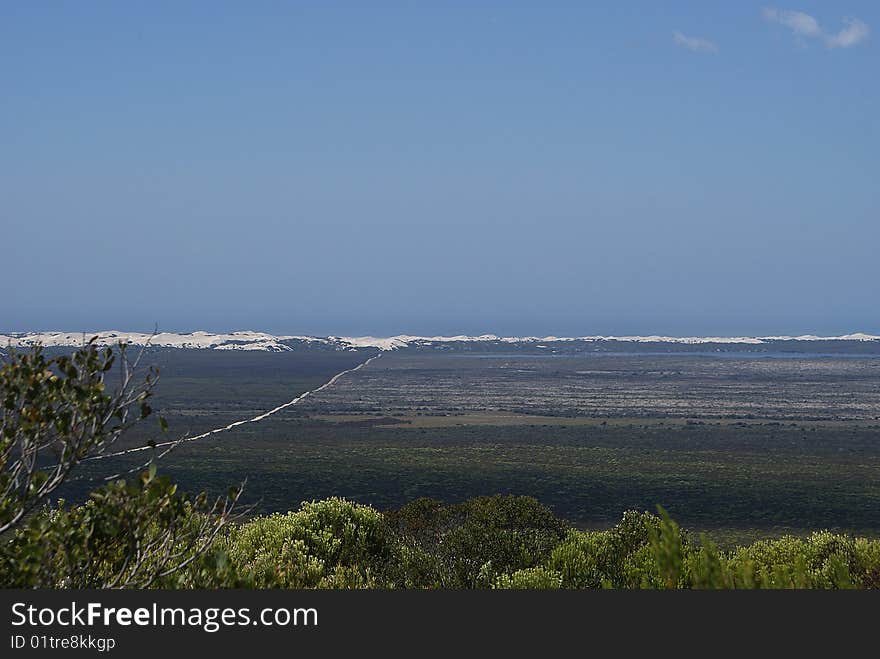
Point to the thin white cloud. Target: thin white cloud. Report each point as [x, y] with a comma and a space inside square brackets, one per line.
[855, 32]
[798, 22]
[805, 26]
[696, 44]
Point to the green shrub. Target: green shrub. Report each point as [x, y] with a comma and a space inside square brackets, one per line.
[668, 551]
[129, 534]
[867, 553]
[621, 557]
[325, 544]
[705, 567]
[824, 560]
[533, 578]
[579, 559]
[468, 545]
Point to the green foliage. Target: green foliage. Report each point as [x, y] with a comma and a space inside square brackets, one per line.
[492, 542]
[467, 545]
[515, 543]
[57, 412]
[867, 555]
[325, 544]
[128, 534]
[824, 560]
[618, 558]
[705, 566]
[668, 551]
[533, 578]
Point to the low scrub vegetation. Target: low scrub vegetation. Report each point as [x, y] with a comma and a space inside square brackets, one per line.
[504, 542]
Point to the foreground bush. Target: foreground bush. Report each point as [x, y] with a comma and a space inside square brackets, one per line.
[325, 544]
[514, 542]
[135, 534]
[488, 542]
[823, 560]
[57, 412]
[468, 545]
[621, 557]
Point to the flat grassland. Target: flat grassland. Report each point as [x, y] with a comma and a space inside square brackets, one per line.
[741, 446]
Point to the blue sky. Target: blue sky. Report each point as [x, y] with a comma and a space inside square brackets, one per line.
[518, 168]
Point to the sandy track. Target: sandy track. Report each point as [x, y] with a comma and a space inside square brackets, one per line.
[242, 422]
